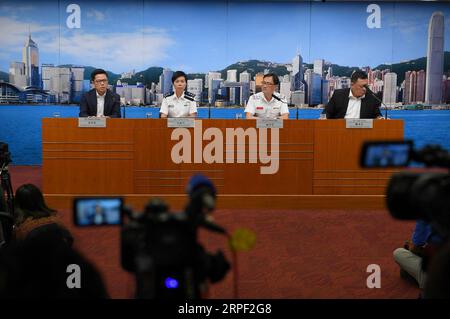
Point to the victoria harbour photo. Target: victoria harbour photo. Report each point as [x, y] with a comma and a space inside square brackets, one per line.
[43, 73]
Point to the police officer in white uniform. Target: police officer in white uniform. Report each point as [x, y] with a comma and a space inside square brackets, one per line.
[268, 103]
[179, 103]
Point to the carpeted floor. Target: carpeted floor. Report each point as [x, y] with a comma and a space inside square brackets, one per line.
[298, 254]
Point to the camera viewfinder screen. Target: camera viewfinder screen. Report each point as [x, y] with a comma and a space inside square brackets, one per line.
[387, 155]
[97, 211]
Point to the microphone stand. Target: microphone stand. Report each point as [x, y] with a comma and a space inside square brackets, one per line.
[378, 99]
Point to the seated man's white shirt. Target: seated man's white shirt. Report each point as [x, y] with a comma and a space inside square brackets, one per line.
[100, 104]
[354, 106]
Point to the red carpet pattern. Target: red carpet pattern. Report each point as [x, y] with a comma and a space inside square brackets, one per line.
[298, 253]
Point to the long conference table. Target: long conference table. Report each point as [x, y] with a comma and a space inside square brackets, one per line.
[318, 162]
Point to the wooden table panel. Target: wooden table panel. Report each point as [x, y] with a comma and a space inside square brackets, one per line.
[133, 156]
[87, 160]
[337, 153]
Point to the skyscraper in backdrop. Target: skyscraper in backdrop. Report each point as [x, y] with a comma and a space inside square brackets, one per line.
[390, 89]
[30, 57]
[435, 59]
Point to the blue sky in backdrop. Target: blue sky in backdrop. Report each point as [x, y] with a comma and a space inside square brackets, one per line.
[205, 36]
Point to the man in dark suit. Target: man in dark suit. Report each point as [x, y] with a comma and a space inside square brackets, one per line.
[100, 102]
[354, 102]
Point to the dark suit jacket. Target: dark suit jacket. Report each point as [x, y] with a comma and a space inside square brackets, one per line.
[88, 105]
[337, 106]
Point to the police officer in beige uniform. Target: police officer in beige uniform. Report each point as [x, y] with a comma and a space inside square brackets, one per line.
[179, 103]
[267, 104]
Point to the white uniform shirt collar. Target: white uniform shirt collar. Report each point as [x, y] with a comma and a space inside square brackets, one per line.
[176, 97]
[352, 97]
[264, 97]
[100, 96]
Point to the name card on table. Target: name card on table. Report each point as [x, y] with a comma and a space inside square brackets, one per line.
[269, 123]
[91, 122]
[358, 123]
[180, 122]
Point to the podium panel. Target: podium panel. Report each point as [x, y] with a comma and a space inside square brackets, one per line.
[337, 154]
[140, 158]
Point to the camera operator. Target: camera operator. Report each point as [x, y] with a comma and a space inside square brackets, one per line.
[415, 256]
[422, 196]
[34, 218]
[37, 268]
[34, 263]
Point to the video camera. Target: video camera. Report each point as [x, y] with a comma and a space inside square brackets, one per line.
[160, 247]
[414, 194]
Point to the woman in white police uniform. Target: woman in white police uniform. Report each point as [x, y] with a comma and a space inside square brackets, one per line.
[179, 103]
[267, 104]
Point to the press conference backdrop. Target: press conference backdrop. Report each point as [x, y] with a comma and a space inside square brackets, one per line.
[49, 49]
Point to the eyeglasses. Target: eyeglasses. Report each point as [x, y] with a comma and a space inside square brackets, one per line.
[267, 83]
[100, 81]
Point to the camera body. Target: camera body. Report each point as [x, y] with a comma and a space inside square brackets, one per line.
[414, 194]
[161, 248]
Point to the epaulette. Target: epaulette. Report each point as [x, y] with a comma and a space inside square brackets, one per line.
[168, 94]
[278, 98]
[190, 96]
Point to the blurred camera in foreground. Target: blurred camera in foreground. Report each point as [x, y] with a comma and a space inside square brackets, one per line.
[159, 246]
[413, 195]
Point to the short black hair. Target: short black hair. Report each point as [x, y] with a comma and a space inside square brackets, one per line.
[96, 72]
[275, 78]
[178, 74]
[358, 74]
[29, 202]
